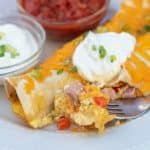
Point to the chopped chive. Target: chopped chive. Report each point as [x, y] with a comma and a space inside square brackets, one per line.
[147, 28]
[74, 69]
[102, 52]
[94, 47]
[101, 29]
[13, 52]
[35, 73]
[7, 48]
[2, 51]
[60, 71]
[112, 58]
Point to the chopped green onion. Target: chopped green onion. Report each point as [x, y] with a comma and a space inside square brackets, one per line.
[2, 34]
[147, 28]
[60, 71]
[74, 69]
[102, 52]
[94, 47]
[101, 29]
[9, 49]
[13, 52]
[2, 51]
[112, 58]
[35, 73]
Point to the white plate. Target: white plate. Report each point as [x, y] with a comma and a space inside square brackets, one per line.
[14, 135]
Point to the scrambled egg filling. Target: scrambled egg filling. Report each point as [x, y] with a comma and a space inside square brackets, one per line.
[87, 112]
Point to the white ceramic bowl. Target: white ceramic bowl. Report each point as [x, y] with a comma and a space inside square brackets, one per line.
[38, 34]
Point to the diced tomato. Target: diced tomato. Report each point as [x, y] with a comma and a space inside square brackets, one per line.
[100, 101]
[33, 6]
[62, 9]
[63, 123]
[44, 2]
[45, 13]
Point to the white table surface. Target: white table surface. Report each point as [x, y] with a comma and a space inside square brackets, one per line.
[14, 135]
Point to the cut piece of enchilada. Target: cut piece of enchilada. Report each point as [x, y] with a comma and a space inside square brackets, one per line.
[78, 81]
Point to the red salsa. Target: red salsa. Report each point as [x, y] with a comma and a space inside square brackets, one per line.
[62, 10]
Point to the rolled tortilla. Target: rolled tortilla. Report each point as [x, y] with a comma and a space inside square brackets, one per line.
[32, 100]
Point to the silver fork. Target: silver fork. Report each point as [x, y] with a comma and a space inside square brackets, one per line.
[130, 108]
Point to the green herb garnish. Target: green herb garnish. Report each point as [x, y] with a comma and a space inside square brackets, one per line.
[35, 73]
[60, 71]
[74, 69]
[101, 29]
[13, 52]
[2, 51]
[102, 52]
[147, 28]
[7, 48]
[112, 58]
[94, 47]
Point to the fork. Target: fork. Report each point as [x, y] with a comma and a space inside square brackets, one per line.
[129, 108]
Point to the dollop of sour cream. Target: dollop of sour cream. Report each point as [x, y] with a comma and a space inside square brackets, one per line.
[100, 56]
[16, 44]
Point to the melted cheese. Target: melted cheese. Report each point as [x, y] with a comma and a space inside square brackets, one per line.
[138, 66]
[132, 16]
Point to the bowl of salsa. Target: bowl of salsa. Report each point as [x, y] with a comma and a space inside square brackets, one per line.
[65, 19]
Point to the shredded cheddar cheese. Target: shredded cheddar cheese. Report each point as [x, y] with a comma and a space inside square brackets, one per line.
[138, 65]
[29, 86]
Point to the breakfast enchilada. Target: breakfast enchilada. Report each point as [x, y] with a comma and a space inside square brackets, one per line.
[77, 82]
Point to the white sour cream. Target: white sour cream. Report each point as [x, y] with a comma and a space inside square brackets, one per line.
[102, 70]
[21, 40]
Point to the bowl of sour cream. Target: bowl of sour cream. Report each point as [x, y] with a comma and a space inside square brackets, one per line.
[21, 44]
